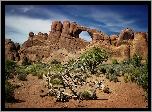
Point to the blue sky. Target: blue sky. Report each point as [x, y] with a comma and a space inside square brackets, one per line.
[110, 19]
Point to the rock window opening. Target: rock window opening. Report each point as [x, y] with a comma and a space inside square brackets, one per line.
[85, 35]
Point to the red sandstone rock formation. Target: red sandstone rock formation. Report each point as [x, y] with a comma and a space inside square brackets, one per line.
[11, 50]
[140, 44]
[126, 35]
[113, 39]
[63, 41]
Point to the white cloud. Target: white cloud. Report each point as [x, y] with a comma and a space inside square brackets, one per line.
[18, 27]
[25, 8]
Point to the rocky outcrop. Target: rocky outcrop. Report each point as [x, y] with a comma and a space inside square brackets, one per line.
[140, 44]
[113, 39]
[11, 50]
[31, 34]
[125, 37]
[63, 43]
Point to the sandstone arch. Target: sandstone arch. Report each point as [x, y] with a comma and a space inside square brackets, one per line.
[71, 29]
[66, 36]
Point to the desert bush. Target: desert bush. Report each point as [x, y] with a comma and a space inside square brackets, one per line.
[91, 59]
[34, 73]
[24, 62]
[30, 62]
[112, 77]
[111, 71]
[22, 77]
[57, 81]
[55, 68]
[126, 61]
[40, 76]
[126, 78]
[71, 62]
[114, 61]
[9, 68]
[146, 63]
[86, 94]
[140, 77]
[112, 74]
[26, 72]
[136, 60]
[18, 70]
[103, 70]
[9, 91]
[32, 69]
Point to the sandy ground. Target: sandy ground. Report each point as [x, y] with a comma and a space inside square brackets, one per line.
[123, 95]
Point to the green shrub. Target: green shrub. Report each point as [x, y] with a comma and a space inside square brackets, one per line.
[126, 61]
[103, 70]
[55, 68]
[146, 63]
[111, 70]
[114, 61]
[91, 59]
[126, 78]
[144, 83]
[139, 77]
[86, 94]
[27, 72]
[24, 62]
[30, 62]
[136, 60]
[113, 77]
[56, 81]
[32, 69]
[9, 91]
[22, 77]
[71, 62]
[9, 68]
[34, 73]
[40, 76]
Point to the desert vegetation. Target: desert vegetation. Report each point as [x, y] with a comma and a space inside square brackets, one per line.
[70, 80]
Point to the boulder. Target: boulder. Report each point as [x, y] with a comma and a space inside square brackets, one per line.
[31, 34]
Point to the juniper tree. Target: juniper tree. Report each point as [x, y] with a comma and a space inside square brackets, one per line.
[91, 59]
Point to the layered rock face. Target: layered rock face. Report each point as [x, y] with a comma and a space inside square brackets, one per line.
[63, 43]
